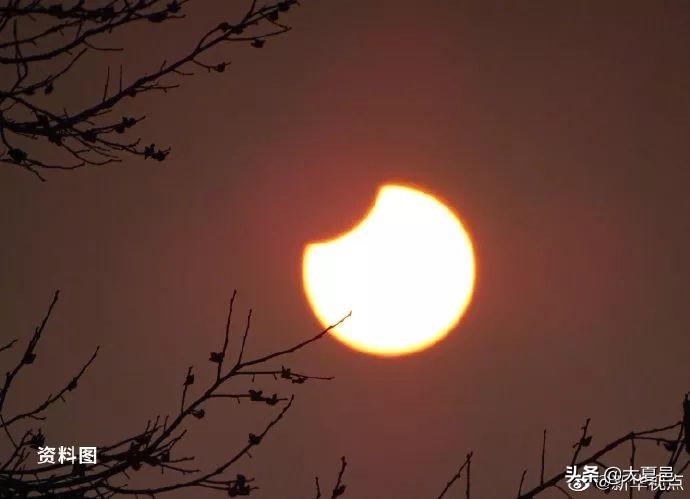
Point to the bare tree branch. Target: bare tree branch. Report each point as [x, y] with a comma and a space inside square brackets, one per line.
[456, 477]
[156, 445]
[67, 34]
[339, 487]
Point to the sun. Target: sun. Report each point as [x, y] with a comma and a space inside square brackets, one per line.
[406, 272]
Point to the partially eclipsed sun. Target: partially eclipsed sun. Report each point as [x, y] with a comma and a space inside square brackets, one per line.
[406, 272]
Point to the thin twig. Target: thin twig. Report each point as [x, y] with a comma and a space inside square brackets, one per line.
[457, 476]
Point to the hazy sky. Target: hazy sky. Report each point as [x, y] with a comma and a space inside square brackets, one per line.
[559, 134]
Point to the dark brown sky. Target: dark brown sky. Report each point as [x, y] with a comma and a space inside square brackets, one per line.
[560, 135]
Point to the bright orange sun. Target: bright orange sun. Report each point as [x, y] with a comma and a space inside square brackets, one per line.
[406, 272]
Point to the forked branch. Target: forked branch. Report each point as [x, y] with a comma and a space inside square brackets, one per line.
[156, 444]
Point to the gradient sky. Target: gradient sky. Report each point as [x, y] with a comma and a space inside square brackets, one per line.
[558, 133]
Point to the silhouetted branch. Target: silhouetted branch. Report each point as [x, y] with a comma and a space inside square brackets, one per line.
[29, 354]
[654, 434]
[155, 446]
[244, 337]
[339, 487]
[467, 482]
[299, 346]
[72, 385]
[8, 346]
[522, 481]
[35, 38]
[157, 443]
[221, 356]
[456, 477]
[583, 442]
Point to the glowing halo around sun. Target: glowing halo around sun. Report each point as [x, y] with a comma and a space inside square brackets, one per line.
[406, 272]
